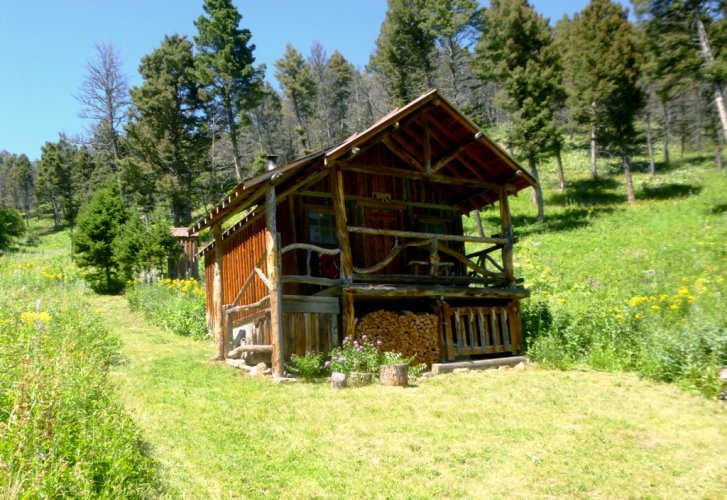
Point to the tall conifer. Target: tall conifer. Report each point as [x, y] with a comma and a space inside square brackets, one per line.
[224, 65]
[516, 51]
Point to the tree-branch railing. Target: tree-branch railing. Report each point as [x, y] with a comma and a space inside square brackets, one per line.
[308, 278]
[436, 243]
[256, 271]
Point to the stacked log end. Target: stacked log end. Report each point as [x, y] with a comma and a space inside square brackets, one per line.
[412, 335]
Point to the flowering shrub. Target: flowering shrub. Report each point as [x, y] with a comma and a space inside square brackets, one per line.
[177, 305]
[355, 356]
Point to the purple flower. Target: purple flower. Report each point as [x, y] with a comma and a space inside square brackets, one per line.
[378, 342]
[326, 364]
[364, 337]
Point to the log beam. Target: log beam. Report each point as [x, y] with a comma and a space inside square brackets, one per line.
[217, 296]
[339, 210]
[507, 249]
[272, 245]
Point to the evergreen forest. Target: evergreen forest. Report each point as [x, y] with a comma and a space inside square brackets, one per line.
[204, 117]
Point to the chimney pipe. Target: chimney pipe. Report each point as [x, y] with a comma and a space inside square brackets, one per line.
[272, 162]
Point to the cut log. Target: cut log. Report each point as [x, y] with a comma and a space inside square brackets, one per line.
[237, 352]
[412, 335]
[396, 375]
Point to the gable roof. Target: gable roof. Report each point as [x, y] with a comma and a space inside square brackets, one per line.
[466, 163]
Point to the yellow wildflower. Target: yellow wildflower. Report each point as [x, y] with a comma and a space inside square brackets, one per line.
[674, 306]
[655, 307]
[637, 300]
[32, 317]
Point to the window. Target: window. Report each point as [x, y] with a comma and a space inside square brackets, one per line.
[322, 228]
[432, 225]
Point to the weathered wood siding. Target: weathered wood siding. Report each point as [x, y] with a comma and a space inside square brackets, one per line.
[472, 330]
[242, 250]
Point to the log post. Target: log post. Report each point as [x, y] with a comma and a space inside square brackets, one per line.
[339, 209]
[272, 244]
[217, 295]
[506, 225]
[348, 315]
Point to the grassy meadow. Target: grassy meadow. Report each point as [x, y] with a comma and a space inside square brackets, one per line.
[99, 397]
[619, 287]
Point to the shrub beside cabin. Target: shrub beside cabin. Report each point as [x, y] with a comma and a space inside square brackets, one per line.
[372, 223]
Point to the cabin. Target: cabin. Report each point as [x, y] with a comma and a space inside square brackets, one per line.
[373, 223]
[185, 265]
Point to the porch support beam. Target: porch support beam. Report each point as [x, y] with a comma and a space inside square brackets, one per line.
[218, 296]
[506, 226]
[274, 264]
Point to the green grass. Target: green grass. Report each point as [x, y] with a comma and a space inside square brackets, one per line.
[534, 432]
[63, 433]
[595, 256]
[525, 433]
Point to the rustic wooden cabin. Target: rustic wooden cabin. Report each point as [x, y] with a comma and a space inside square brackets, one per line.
[185, 266]
[372, 223]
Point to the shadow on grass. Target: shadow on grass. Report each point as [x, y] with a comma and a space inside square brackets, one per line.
[668, 191]
[589, 192]
[567, 220]
[717, 209]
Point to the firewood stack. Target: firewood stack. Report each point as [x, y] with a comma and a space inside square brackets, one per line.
[410, 334]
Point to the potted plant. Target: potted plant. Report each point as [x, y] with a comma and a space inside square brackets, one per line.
[354, 363]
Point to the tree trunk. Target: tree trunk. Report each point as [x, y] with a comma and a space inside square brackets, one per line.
[665, 105]
[561, 176]
[594, 172]
[538, 190]
[627, 172]
[718, 155]
[709, 61]
[234, 143]
[650, 145]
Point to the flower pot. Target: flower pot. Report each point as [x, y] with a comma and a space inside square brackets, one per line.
[395, 375]
[338, 380]
[359, 379]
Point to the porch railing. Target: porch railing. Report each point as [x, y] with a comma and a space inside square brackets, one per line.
[476, 264]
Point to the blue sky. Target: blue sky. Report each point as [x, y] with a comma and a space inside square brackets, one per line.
[45, 45]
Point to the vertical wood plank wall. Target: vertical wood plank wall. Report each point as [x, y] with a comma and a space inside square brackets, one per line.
[243, 250]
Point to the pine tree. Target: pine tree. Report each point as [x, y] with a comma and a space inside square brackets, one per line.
[296, 80]
[11, 226]
[55, 181]
[455, 27]
[99, 221]
[224, 66]
[166, 136]
[23, 177]
[602, 72]
[340, 74]
[515, 50]
[404, 49]
[140, 247]
[104, 97]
